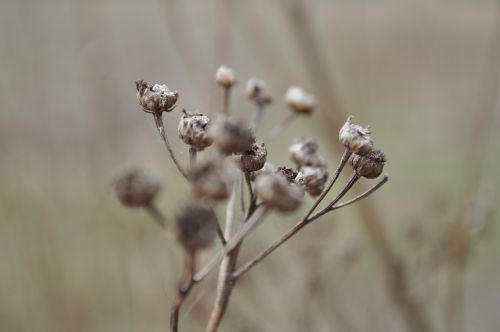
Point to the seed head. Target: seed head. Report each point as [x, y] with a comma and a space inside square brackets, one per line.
[211, 179]
[196, 226]
[299, 100]
[276, 192]
[252, 159]
[289, 173]
[304, 152]
[135, 188]
[370, 166]
[257, 92]
[356, 138]
[266, 169]
[224, 76]
[230, 135]
[193, 128]
[157, 98]
[314, 179]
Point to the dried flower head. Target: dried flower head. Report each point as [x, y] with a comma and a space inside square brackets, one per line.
[211, 179]
[157, 98]
[289, 173]
[136, 188]
[299, 100]
[314, 179]
[356, 138]
[231, 135]
[224, 76]
[252, 159]
[193, 129]
[257, 92]
[304, 152]
[276, 192]
[370, 166]
[196, 226]
[266, 169]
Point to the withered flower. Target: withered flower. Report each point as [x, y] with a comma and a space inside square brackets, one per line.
[196, 226]
[299, 100]
[157, 98]
[225, 77]
[369, 166]
[314, 179]
[304, 152]
[252, 159]
[230, 135]
[257, 92]
[356, 138]
[276, 192]
[211, 179]
[136, 188]
[193, 130]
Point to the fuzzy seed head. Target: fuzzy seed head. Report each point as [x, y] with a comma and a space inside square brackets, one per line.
[252, 159]
[230, 135]
[314, 179]
[276, 192]
[299, 100]
[196, 226]
[210, 179]
[356, 138]
[304, 152]
[136, 188]
[193, 130]
[225, 77]
[257, 92]
[370, 166]
[157, 98]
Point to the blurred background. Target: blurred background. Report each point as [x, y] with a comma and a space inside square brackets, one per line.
[420, 254]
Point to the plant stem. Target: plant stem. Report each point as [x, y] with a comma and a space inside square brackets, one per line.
[192, 156]
[362, 195]
[225, 100]
[161, 130]
[156, 214]
[256, 116]
[185, 285]
[278, 128]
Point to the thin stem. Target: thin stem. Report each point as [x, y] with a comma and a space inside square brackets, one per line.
[225, 100]
[256, 116]
[362, 195]
[185, 286]
[193, 151]
[161, 130]
[156, 214]
[278, 128]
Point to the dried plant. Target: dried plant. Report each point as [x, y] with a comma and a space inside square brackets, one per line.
[238, 159]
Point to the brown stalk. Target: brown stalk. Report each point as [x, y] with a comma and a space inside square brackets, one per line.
[278, 128]
[192, 156]
[185, 285]
[156, 214]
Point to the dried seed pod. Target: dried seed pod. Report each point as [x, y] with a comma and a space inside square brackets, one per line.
[289, 173]
[304, 152]
[266, 169]
[135, 188]
[230, 135]
[257, 92]
[210, 178]
[276, 192]
[224, 76]
[299, 100]
[356, 138]
[157, 98]
[252, 159]
[314, 179]
[196, 226]
[370, 166]
[193, 130]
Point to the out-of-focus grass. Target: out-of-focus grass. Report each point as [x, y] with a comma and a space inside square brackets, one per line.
[72, 259]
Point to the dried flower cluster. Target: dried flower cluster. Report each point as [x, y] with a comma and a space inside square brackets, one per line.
[233, 156]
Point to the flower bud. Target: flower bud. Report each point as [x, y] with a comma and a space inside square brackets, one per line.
[211, 179]
[276, 192]
[356, 138]
[252, 159]
[256, 90]
[230, 135]
[370, 166]
[193, 128]
[157, 98]
[135, 188]
[224, 76]
[196, 226]
[300, 101]
[314, 179]
[304, 152]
